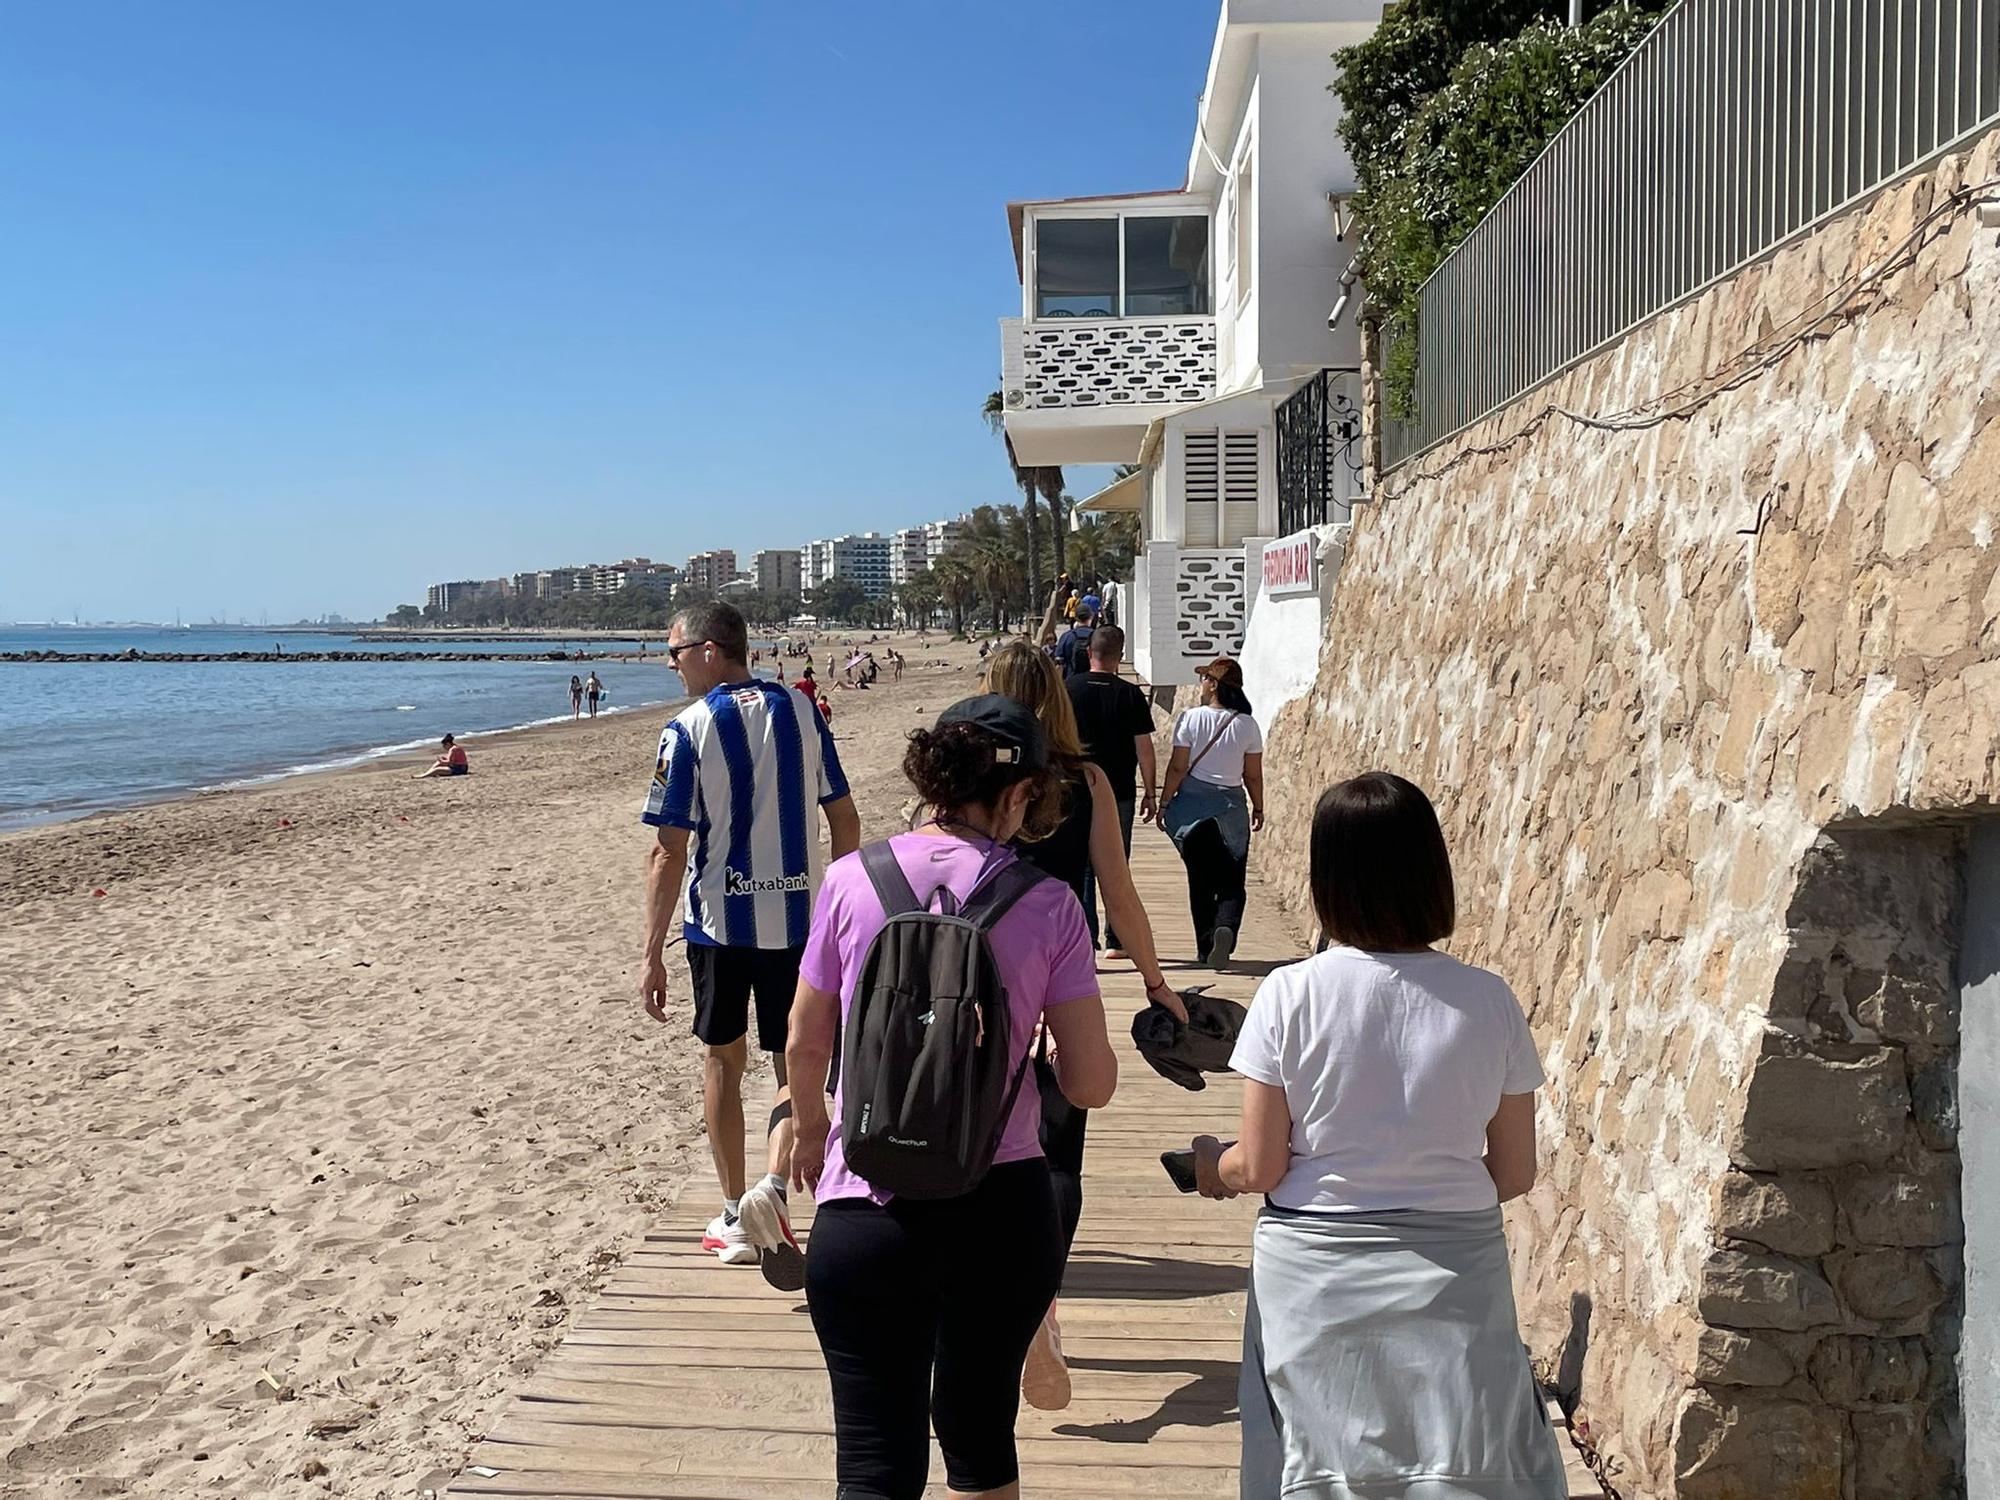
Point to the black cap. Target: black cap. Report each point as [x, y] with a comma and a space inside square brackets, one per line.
[1009, 722]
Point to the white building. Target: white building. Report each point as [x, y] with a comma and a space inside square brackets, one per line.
[939, 536]
[1173, 330]
[907, 557]
[863, 558]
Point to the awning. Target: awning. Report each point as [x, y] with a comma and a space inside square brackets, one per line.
[1126, 494]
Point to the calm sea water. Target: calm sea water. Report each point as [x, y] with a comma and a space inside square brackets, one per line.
[88, 735]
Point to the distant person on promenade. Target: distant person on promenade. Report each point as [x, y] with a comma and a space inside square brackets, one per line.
[451, 760]
[925, 1307]
[1388, 1112]
[739, 773]
[1114, 720]
[1218, 758]
[575, 696]
[592, 691]
[1073, 648]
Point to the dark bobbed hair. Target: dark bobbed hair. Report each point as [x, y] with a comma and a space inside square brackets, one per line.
[953, 766]
[720, 624]
[1381, 875]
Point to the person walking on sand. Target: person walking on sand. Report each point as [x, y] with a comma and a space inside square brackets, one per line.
[575, 696]
[593, 690]
[739, 773]
[1218, 758]
[1115, 722]
[1388, 1112]
[924, 1305]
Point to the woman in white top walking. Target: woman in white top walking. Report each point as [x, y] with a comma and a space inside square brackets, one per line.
[1388, 1111]
[1212, 802]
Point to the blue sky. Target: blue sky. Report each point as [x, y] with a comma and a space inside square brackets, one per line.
[302, 307]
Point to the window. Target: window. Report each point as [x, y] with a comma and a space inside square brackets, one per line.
[1219, 486]
[1076, 268]
[1166, 266]
[1246, 208]
[1133, 266]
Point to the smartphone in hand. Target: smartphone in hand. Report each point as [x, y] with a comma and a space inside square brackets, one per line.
[1180, 1168]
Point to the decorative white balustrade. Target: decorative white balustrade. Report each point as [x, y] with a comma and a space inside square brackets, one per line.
[1208, 600]
[1054, 364]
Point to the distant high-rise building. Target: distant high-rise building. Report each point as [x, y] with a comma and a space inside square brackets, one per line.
[939, 537]
[863, 557]
[709, 571]
[906, 555]
[446, 598]
[776, 570]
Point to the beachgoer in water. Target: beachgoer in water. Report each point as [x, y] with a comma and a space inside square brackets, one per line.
[743, 900]
[1085, 840]
[1388, 1112]
[924, 1309]
[575, 696]
[592, 691]
[1218, 758]
[451, 760]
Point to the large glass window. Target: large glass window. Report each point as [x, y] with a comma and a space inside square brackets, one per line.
[1076, 268]
[1166, 266]
[1135, 266]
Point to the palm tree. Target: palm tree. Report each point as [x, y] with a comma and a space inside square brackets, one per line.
[1032, 481]
[1103, 546]
[957, 586]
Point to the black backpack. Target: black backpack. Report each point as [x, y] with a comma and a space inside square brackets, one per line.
[928, 1077]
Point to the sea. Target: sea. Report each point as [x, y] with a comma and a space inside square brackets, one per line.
[78, 737]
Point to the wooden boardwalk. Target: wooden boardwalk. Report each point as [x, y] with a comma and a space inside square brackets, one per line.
[687, 1378]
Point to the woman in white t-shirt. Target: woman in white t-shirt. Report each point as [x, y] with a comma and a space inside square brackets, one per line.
[1212, 802]
[1388, 1111]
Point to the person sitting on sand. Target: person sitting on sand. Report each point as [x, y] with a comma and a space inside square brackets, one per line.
[451, 760]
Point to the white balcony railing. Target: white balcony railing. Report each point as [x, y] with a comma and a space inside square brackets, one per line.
[1055, 364]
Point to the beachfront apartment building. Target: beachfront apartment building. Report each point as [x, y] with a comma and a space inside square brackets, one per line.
[632, 573]
[446, 598]
[776, 570]
[907, 556]
[709, 571]
[863, 557]
[940, 537]
[1208, 334]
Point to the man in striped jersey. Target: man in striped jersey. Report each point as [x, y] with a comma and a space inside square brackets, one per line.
[738, 859]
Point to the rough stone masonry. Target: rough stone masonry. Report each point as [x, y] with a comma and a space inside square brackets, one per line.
[1705, 708]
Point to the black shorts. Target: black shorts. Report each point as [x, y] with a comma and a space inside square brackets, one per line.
[724, 981]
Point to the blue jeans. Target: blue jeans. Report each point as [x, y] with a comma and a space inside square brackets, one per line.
[1127, 808]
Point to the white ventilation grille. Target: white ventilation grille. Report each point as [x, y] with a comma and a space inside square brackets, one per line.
[1239, 486]
[1201, 487]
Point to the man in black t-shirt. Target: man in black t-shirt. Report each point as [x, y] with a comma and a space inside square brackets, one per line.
[1115, 721]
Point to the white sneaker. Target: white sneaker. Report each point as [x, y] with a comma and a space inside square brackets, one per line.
[731, 1245]
[762, 1217]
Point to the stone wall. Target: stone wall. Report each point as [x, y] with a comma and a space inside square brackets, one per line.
[1643, 673]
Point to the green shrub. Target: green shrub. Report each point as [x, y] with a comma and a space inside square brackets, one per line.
[1443, 108]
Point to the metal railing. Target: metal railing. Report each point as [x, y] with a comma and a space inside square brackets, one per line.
[1733, 126]
[1319, 450]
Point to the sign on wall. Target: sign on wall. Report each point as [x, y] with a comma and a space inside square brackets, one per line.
[1291, 566]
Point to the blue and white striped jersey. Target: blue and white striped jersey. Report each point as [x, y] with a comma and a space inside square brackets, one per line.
[744, 769]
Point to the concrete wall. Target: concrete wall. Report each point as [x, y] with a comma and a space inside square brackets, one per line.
[1642, 673]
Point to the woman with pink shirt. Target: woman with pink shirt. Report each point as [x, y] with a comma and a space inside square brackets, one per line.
[925, 1308]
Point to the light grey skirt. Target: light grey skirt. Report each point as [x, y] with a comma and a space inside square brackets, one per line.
[1382, 1361]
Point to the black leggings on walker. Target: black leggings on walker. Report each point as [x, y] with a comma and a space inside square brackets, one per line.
[1215, 880]
[924, 1312]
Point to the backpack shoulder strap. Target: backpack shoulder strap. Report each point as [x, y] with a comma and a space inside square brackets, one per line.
[892, 886]
[997, 894]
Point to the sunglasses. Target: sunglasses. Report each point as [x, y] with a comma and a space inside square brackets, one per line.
[674, 652]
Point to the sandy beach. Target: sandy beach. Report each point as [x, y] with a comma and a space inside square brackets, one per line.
[323, 1103]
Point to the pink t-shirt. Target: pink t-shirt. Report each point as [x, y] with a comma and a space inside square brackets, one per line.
[1041, 945]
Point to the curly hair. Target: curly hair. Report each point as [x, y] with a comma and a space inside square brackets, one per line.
[952, 766]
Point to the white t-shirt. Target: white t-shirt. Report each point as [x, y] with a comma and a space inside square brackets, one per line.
[1392, 1064]
[1223, 765]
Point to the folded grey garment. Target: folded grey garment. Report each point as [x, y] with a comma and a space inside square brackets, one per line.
[1181, 1052]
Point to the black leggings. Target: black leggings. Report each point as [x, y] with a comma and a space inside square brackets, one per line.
[1215, 884]
[924, 1312]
